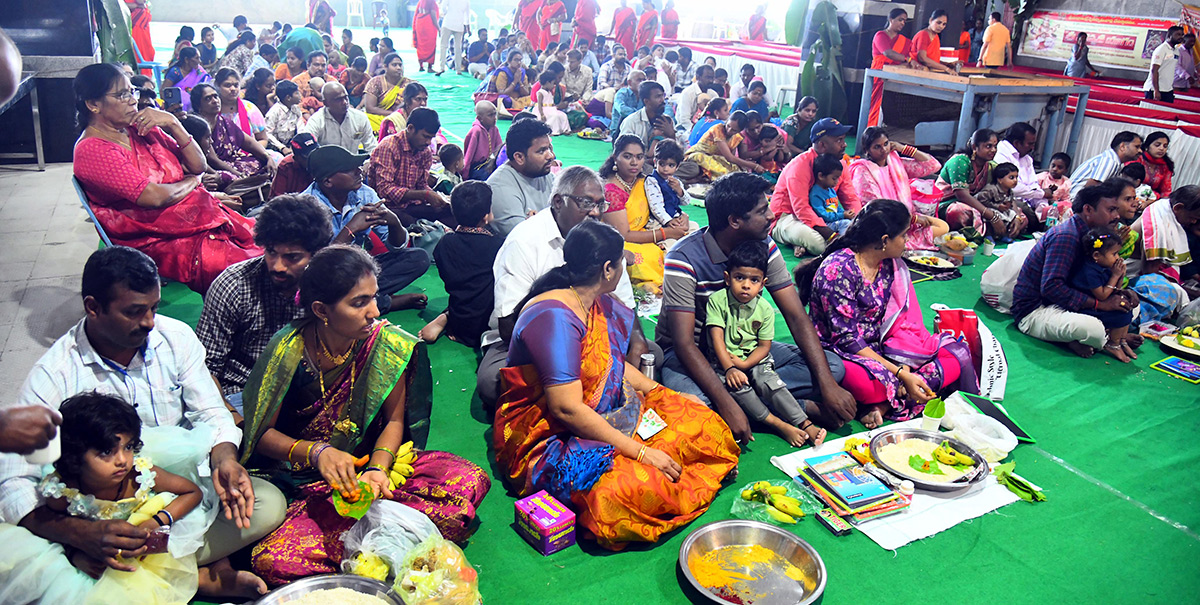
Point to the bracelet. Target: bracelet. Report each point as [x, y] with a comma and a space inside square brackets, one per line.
[317, 454]
[308, 454]
[641, 453]
[157, 520]
[805, 424]
[900, 369]
[729, 368]
[170, 519]
[384, 449]
[191, 139]
[292, 450]
[372, 468]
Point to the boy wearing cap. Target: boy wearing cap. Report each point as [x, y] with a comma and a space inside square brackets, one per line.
[796, 222]
[356, 214]
[292, 175]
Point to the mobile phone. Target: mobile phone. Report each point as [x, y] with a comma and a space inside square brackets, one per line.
[171, 96]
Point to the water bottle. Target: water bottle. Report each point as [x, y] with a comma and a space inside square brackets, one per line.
[646, 366]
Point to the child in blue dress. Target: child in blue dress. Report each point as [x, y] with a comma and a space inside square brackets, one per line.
[1099, 274]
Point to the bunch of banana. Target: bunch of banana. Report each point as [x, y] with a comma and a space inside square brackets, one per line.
[402, 468]
[780, 506]
[950, 456]
[859, 449]
[1189, 337]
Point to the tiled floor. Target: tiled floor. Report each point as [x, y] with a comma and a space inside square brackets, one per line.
[45, 238]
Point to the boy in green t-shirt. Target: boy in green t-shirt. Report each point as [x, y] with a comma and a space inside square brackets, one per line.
[741, 326]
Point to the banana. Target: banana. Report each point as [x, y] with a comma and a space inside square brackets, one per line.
[787, 506]
[408, 458]
[403, 469]
[761, 485]
[748, 494]
[397, 479]
[780, 516]
[777, 489]
[964, 459]
[944, 456]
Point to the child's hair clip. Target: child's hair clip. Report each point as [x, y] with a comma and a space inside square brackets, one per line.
[1099, 242]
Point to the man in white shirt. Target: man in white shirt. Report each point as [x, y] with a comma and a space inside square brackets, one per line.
[1125, 146]
[687, 99]
[123, 348]
[1019, 141]
[522, 185]
[454, 25]
[1160, 81]
[532, 249]
[339, 124]
[741, 86]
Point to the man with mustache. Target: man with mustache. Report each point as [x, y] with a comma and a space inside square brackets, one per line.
[250, 301]
[1044, 304]
[124, 348]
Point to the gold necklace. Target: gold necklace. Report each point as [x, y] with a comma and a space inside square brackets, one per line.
[627, 186]
[321, 379]
[336, 360]
[865, 269]
[579, 299]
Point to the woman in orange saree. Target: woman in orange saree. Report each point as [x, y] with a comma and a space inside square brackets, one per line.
[647, 27]
[889, 47]
[567, 419]
[425, 33]
[624, 28]
[550, 18]
[757, 27]
[527, 21]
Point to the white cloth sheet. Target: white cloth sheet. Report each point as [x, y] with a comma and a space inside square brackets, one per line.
[929, 513]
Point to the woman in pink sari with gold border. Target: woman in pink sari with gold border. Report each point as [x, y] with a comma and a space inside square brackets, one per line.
[888, 170]
[864, 307]
[335, 386]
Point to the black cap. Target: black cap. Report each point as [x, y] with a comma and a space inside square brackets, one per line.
[327, 160]
[304, 144]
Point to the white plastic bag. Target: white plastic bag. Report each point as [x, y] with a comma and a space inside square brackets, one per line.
[389, 531]
[985, 435]
[998, 280]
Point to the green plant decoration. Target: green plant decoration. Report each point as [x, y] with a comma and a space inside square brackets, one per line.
[113, 29]
[823, 80]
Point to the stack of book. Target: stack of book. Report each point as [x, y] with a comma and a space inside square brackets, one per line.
[849, 489]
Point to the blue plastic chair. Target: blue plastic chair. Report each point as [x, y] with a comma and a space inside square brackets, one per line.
[91, 215]
[151, 65]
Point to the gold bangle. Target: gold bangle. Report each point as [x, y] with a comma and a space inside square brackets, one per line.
[308, 454]
[292, 450]
[641, 453]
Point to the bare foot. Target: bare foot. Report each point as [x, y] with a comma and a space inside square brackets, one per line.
[816, 434]
[1134, 340]
[409, 301]
[874, 416]
[1116, 351]
[1128, 349]
[794, 436]
[220, 579]
[433, 330]
[799, 251]
[1081, 349]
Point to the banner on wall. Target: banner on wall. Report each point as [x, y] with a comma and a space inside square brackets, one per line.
[1113, 40]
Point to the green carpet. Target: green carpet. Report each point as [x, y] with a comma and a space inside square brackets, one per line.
[1115, 444]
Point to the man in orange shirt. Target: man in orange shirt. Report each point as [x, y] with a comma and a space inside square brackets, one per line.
[997, 45]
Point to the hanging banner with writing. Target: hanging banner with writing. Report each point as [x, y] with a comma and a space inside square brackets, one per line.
[1113, 40]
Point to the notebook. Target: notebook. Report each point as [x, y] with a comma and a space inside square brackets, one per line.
[846, 479]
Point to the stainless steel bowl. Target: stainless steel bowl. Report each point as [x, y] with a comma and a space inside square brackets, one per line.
[739, 532]
[299, 588]
[890, 436]
[910, 255]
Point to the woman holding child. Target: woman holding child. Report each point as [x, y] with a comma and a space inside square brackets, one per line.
[335, 385]
[138, 169]
[887, 171]
[716, 153]
[629, 212]
[571, 403]
[865, 310]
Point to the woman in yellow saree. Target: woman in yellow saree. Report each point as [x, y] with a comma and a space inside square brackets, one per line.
[629, 212]
[716, 151]
[571, 404]
[383, 92]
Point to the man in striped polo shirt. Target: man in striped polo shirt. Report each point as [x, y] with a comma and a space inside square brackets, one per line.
[695, 269]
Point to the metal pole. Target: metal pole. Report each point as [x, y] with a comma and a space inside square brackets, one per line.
[37, 127]
[966, 120]
[1077, 123]
[864, 107]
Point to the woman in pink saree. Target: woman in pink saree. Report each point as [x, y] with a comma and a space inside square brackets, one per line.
[138, 169]
[864, 307]
[888, 170]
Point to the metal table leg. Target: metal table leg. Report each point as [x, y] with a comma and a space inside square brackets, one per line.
[37, 128]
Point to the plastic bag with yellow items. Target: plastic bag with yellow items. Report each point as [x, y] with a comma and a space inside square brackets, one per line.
[436, 572]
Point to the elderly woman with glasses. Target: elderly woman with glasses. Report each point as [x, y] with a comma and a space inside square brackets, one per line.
[139, 170]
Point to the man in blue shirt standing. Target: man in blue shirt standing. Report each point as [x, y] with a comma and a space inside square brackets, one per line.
[357, 213]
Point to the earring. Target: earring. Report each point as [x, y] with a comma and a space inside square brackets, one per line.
[325, 320]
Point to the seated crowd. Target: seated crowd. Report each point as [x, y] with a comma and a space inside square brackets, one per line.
[289, 196]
